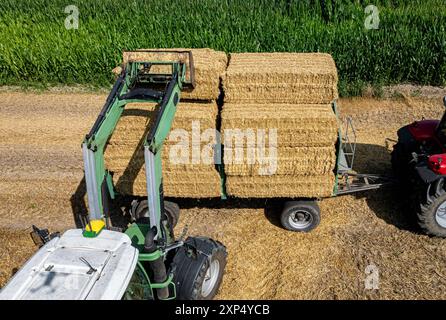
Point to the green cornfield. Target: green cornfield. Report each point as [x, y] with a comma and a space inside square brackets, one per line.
[408, 46]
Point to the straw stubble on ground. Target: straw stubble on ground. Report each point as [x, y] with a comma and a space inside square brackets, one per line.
[265, 261]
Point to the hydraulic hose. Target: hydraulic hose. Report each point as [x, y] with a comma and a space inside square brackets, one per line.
[158, 266]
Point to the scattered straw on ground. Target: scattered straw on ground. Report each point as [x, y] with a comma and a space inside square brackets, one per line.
[299, 186]
[16, 248]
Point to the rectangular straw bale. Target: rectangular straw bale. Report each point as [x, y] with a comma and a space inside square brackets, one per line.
[288, 161]
[209, 68]
[280, 78]
[295, 125]
[121, 158]
[280, 186]
[178, 184]
[136, 117]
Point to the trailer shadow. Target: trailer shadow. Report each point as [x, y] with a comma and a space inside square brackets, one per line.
[271, 207]
[121, 206]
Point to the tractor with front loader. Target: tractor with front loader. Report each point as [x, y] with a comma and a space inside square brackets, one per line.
[419, 161]
[98, 261]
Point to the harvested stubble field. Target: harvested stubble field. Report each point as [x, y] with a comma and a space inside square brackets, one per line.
[41, 168]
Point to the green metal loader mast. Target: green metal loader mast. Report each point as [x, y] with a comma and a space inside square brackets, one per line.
[169, 267]
[136, 83]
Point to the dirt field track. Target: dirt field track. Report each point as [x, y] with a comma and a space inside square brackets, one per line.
[41, 170]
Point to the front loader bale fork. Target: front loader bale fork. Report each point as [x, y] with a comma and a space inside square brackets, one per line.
[151, 233]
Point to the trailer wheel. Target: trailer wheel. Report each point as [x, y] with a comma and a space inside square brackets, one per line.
[200, 265]
[171, 209]
[432, 214]
[301, 216]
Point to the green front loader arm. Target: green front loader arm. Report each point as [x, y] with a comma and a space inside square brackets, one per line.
[98, 179]
[93, 150]
[152, 150]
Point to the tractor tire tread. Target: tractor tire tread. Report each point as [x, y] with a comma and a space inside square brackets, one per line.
[426, 214]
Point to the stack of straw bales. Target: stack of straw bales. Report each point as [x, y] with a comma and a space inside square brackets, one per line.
[182, 177]
[184, 174]
[286, 98]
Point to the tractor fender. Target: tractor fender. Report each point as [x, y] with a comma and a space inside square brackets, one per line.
[439, 184]
[427, 176]
[407, 142]
[405, 136]
[423, 130]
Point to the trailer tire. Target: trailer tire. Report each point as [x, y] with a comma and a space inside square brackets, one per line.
[300, 216]
[199, 270]
[431, 215]
[172, 211]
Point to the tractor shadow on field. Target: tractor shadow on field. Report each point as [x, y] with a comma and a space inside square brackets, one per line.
[78, 203]
[390, 203]
[118, 207]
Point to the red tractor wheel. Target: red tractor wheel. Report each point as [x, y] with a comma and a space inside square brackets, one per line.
[431, 213]
[400, 159]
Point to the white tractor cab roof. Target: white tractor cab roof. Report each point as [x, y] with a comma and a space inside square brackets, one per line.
[76, 267]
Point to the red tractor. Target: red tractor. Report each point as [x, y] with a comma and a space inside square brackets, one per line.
[419, 161]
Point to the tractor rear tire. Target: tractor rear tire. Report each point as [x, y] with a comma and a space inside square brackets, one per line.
[200, 267]
[400, 161]
[432, 212]
[300, 216]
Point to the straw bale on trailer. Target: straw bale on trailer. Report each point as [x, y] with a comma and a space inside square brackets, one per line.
[209, 67]
[177, 184]
[281, 78]
[182, 177]
[296, 125]
[279, 150]
[280, 186]
[305, 161]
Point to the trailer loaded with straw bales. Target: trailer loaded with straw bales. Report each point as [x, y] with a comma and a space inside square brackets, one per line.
[256, 125]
